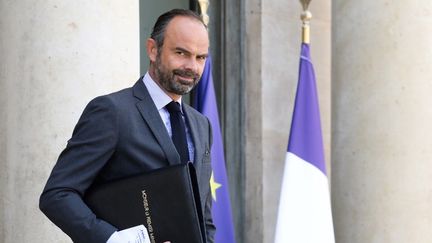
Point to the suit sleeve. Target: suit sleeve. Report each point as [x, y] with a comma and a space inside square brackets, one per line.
[92, 144]
[210, 227]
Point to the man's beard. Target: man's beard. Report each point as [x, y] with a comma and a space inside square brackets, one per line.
[167, 79]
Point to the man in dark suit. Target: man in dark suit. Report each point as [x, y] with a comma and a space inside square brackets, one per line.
[129, 132]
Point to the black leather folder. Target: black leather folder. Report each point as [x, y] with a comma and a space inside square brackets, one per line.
[166, 201]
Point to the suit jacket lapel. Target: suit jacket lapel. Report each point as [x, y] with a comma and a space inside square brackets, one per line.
[198, 144]
[149, 112]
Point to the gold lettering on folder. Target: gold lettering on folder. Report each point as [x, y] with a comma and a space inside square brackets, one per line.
[148, 215]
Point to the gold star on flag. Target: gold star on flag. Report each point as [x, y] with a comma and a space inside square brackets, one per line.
[214, 186]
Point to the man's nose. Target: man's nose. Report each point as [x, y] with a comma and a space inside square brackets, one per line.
[192, 64]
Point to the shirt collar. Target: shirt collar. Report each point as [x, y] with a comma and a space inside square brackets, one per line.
[159, 97]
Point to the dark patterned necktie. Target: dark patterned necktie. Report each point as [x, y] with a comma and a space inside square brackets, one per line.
[178, 130]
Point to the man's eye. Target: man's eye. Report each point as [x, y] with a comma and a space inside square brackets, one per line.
[180, 53]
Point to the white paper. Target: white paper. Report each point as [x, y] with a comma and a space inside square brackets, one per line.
[137, 234]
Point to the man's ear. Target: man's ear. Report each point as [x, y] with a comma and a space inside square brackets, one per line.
[151, 49]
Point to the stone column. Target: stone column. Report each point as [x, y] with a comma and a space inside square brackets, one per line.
[381, 148]
[55, 57]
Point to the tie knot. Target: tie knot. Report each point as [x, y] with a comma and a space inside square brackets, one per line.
[173, 107]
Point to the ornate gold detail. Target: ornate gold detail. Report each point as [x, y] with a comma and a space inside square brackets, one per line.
[305, 4]
[306, 16]
[204, 6]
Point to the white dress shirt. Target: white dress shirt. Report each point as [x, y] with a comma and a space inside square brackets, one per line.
[161, 99]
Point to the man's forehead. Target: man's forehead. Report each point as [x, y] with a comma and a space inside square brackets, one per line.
[188, 26]
[187, 33]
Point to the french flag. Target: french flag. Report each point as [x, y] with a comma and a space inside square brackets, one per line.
[304, 214]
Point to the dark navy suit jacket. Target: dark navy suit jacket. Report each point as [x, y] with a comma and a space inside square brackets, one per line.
[119, 135]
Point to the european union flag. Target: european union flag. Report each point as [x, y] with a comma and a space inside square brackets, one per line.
[205, 102]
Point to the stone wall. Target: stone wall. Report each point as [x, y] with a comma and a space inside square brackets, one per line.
[55, 57]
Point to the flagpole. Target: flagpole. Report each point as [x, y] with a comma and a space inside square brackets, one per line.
[306, 16]
[203, 7]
